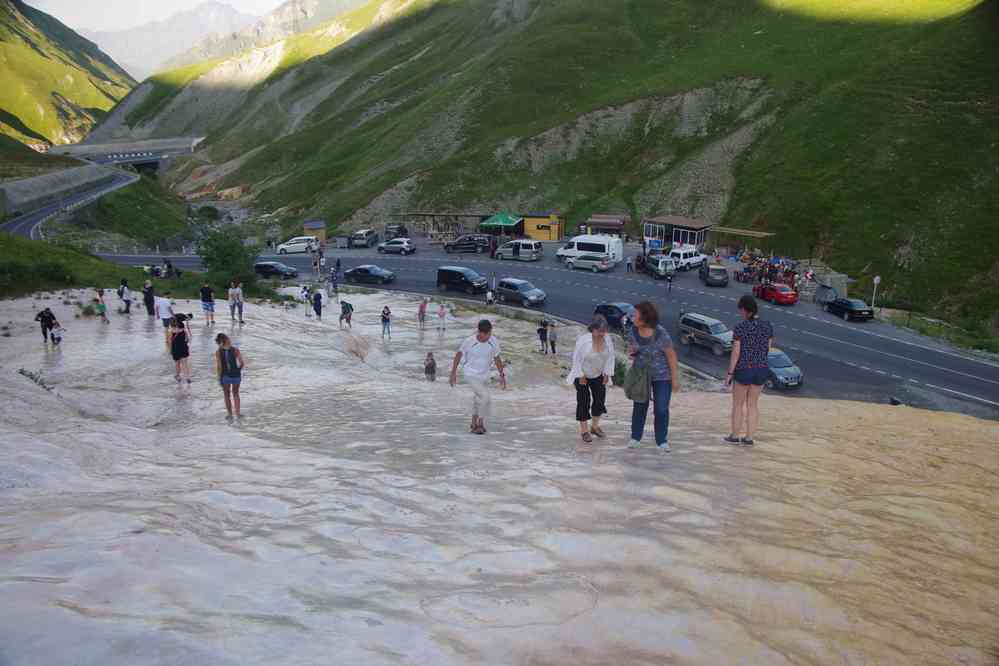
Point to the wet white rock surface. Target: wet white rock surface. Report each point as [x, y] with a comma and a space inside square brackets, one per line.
[352, 520]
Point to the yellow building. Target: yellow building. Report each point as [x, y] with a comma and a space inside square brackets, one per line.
[544, 226]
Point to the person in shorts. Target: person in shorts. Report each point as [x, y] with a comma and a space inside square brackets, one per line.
[748, 370]
[165, 313]
[477, 356]
[208, 303]
[102, 310]
[229, 369]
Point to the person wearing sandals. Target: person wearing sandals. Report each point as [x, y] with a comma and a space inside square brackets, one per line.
[477, 356]
[651, 346]
[592, 368]
[748, 370]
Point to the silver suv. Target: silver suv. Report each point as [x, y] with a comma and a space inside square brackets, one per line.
[703, 330]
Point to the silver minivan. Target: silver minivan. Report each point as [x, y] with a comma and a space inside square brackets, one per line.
[523, 250]
[589, 262]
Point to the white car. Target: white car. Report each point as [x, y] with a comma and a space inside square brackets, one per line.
[298, 244]
[397, 246]
[687, 257]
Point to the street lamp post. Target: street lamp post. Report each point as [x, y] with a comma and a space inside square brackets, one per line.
[874, 298]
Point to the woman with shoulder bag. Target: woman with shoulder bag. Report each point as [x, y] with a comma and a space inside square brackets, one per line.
[654, 375]
[592, 368]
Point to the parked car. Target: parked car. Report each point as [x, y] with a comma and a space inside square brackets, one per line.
[784, 374]
[687, 257]
[274, 269]
[298, 244]
[618, 315]
[713, 275]
[478, 243]
[393, 231]
[611, 246]
[849, 308]
[702, 330]
[514, 290]
[592, 262]
[364, 238]
[369, 273]
[460, 278]
[524, 250]
[778, 294]
[659, 266]
[397, 246]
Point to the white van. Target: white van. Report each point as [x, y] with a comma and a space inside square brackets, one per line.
[612, 246]
[687, 257]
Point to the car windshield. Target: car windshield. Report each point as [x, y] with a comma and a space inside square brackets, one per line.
[525, 286]
[718, 328]
[858, 304]
[779, 360]
[784, 289]
[472, 275]
[717, 271]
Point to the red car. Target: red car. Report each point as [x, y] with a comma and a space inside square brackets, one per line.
[776, 293]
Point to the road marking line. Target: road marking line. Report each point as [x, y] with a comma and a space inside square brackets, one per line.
[963, 395]
[904, 358]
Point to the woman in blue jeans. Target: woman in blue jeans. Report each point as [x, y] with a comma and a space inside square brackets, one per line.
[651, 346]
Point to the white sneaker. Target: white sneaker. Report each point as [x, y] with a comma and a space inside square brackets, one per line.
[664, 447]
[634, 444]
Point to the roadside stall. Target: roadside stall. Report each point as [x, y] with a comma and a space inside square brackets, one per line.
[503, 224]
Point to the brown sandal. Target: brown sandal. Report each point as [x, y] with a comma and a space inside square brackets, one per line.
[598, 432]
[586, 437]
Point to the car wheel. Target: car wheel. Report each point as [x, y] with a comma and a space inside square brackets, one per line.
[479, 249]
[499, 255]
[381, 250]
[717, 349]
[448, 250]
[282, 251]
[773, 301]
[470, 290]
[684, 339]
[770, 383]
[570, 266]
[595, 269]
[825, 308]
[501, 298]
[846, 316]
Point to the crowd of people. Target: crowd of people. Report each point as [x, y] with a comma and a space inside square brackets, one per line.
[652, 378]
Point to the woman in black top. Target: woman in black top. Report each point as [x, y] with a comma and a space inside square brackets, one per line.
[180, 349]
[748, 370]
[149, 298]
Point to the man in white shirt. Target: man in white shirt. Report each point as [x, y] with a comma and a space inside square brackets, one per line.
[236, 300]
[477, 356]
[164, 312]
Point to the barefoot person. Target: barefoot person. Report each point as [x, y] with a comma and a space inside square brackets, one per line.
[346, 314]
[652, 348]
[180, 348]
[386, 322]
[592, 368]
[149, 297]
[748, 370]
[125, 295]
[208, 303]
[48, 322]
[164, 312]
[477, 356]
[229, 369]
[430, 367]
[236, 301]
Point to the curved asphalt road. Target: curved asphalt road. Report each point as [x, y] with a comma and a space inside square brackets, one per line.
[27, 225]
[868, 361]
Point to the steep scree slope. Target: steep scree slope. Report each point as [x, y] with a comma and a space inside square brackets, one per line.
[56, 84]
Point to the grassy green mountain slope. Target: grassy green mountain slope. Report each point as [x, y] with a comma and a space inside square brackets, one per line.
[19, 161]
[56, 84]
[857, 130]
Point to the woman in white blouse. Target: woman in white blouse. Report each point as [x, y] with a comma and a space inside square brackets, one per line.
[592, 369]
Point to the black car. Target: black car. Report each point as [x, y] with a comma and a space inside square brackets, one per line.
[274, 269]
[513, 290]
[618, 315]
[460, 278]
[369, 273]
[784, 374]
[393, 231]
[478, 243]
[849, 308]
